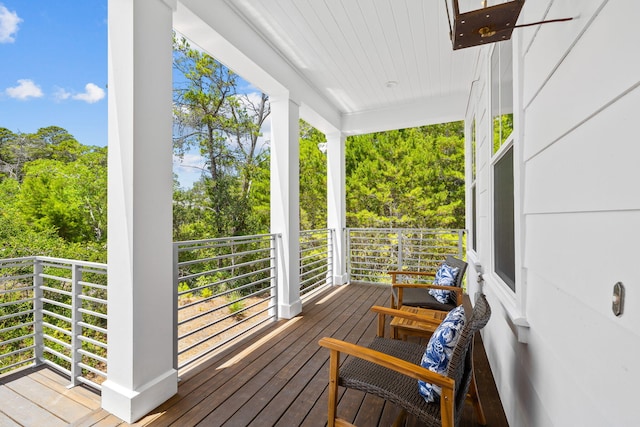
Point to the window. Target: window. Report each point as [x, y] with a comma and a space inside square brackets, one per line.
[503, 219]
[501, 93]
[503, 163]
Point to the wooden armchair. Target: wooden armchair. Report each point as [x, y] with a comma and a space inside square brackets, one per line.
[417, 295]
[390, 369]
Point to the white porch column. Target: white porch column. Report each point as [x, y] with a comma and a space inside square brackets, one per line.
[285, 201]
[336, 203]
[140, 353]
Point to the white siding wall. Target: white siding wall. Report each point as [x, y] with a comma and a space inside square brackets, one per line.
[578, 155]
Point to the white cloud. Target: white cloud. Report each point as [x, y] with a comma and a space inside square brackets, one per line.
[60, 94]
[26, 89]
[91, 94]
[8, 25]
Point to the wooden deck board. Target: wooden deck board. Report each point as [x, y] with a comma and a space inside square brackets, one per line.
[275, 377]
[228, 380]
[288, 358]
[109, 421]
[57, 382]
[91, 419]
[24, 412]
[246, 376]
[5, 421]
[58, 404]
[40, 396]
[294, 384]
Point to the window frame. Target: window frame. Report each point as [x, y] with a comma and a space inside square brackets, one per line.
[496, 154]
[507, 147]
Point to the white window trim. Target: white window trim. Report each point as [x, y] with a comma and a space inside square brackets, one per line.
[513, 302]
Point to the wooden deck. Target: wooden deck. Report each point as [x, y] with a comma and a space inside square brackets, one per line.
[40, 397]
[277, 377]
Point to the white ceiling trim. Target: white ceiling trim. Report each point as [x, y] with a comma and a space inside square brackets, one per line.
[437, 109]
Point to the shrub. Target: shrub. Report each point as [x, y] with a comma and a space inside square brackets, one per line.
[236, 304]
[206, 292]
[182, 287]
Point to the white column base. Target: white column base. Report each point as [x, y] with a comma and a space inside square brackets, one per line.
[341, 279]
[289, 311]
[131, 405]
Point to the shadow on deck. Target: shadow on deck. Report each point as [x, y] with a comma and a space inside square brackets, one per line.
[278, 376]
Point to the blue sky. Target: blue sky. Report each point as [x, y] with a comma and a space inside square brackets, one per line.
[54, 67]
[53, 72]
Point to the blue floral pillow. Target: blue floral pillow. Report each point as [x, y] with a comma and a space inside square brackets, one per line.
[445, 276]
[439, 350]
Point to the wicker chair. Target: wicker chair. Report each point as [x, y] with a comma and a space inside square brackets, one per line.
[417, 295]
[390, 369]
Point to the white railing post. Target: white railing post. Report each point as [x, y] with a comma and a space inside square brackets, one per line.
[76, 327]
[176, 282]
[37, 311]
[460, 246]
[331, 245]
[306, 237]
[276, 244]
[347, 237]
[400, 250]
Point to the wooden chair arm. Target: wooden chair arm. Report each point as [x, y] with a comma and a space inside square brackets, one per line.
[409, 369]
[416, 372]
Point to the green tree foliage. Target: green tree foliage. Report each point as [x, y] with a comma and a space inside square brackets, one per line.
[313, 178]
[403, 178]
[260, 194]
[53, 193]
[225, 126]
[502, 128]
[53, 189]
[68, 197]
[17, 149]
[193, 218]
[406, 178]
[17, 236]
[313, 183]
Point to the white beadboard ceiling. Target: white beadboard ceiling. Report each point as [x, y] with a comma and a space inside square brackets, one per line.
[374, 62]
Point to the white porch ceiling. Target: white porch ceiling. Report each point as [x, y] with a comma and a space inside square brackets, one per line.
[337, 57]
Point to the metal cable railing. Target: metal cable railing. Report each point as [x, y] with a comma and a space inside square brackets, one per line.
[225, 288]
[316, 261]
[372, 252]
[54, 311]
